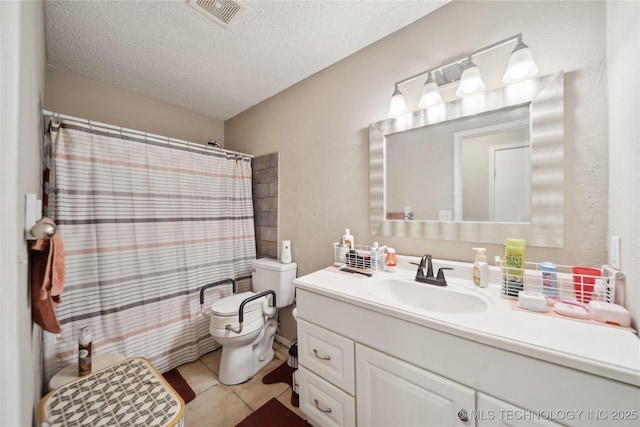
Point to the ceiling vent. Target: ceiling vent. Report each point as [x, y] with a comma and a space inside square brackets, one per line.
[224, 12]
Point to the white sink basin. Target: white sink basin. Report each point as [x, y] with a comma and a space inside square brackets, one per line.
[423, 296]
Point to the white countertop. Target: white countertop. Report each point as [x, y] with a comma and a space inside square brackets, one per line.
[603, 350]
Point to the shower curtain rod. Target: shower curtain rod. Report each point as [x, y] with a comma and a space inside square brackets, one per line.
[145, 134]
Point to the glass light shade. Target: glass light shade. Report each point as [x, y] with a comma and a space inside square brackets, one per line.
[470, 81]
[398, 104]
[521, 66]
[430, 94]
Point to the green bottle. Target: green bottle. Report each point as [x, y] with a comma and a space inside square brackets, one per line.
[513, 267]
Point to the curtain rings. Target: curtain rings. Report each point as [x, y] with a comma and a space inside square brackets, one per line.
[55, 120]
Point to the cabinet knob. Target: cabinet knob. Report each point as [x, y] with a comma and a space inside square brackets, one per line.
[321, 357]
[328, 410]
[462, 414]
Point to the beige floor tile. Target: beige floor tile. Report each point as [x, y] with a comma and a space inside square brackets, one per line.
[254, 393]
[212, 360]
[285, 399]
[198, 375]
[216, 407]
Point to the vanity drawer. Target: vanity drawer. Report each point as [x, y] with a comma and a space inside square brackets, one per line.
[327, 354]
[324, 404]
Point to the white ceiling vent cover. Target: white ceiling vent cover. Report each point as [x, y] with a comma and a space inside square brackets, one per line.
[224, 12]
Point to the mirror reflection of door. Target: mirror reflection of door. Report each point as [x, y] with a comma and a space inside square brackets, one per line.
[493, 173]
[510, 189]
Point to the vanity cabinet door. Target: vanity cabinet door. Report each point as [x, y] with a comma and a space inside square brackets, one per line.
[391, 392]
[493, 412]
[327, 354]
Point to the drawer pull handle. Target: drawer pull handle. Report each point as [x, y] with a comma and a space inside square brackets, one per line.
[462, 414]
[328, 410]
[321, 357]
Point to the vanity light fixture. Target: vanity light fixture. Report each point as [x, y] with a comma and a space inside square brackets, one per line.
[430, 94]
[519, 68]
[398, 104]
[470, 80]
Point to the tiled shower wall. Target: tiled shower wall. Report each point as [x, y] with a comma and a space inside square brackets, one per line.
[265, 204]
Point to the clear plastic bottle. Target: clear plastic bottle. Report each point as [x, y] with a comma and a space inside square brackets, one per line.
[549, 279]
[341, 251]
[376, 257]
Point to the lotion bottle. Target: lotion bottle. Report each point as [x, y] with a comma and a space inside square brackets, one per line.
[341, 251]
[348, 239]
[84, 352]
[480, 268]
[391, 261]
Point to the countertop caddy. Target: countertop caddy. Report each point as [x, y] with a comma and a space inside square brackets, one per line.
[387, 349]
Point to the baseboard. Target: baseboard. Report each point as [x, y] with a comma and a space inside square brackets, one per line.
[282, 340]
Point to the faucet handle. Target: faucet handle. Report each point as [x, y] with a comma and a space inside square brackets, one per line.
[441, 273]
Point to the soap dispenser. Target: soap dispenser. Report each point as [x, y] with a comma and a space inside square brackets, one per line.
[480, 268]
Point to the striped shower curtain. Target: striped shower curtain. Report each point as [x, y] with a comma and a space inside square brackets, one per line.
[146, 222]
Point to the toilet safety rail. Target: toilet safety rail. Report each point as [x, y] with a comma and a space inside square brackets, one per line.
[241, 309]
[242, 304]
[211, 285]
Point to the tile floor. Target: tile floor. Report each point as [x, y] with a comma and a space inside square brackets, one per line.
[219, 405]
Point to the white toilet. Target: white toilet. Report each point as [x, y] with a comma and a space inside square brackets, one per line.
[247, 346]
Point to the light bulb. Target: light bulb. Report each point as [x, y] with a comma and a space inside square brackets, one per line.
[470, 81]
[398, 104]
[521, 65]
[430, 94]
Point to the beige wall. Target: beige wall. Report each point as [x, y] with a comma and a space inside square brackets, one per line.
[22, 83]
[623, 69]
[78, 96]
[320, 126]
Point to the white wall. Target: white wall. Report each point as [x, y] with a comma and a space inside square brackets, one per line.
[22, 69]
[623, 69]
[81, 97]
[320, 126]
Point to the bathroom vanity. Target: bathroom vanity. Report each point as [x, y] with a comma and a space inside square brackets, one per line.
[388, 351]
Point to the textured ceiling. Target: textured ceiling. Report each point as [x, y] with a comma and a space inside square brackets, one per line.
[168, 51]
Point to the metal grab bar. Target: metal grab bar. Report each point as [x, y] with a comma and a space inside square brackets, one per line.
[211, 285]
[241, 309]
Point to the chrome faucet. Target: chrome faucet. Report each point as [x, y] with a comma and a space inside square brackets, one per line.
[429, 277]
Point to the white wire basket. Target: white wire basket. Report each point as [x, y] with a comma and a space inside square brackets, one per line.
[563, 284]
[364, 258]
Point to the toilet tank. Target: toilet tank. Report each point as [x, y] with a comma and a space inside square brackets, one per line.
[270, 274]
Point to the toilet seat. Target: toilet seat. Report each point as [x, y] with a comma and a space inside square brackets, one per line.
[225, 311]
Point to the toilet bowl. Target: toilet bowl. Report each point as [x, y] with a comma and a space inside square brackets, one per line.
[247, 335]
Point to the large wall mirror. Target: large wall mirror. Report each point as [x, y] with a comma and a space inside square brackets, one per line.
[477, 169]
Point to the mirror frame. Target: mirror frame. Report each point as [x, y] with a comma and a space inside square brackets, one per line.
[546, 120]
